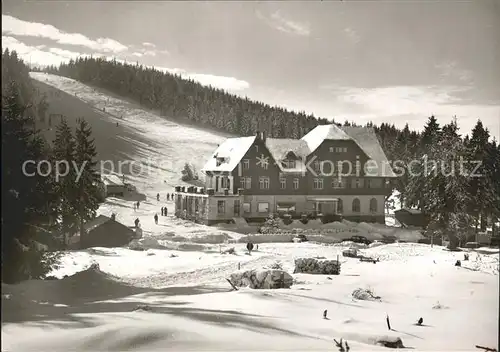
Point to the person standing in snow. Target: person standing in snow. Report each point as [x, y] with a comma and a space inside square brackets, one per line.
[168, 197]
[156, 219]
[138, 203]
[136, 222]
[158, 196]
[165, 211]
[161, 211]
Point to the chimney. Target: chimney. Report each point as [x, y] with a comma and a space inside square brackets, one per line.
[257, 135]
[263, 136]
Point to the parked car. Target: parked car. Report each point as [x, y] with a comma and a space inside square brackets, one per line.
[358, 239]
[300, 238]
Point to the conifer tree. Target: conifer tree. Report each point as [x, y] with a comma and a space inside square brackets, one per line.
[24, 206]
[64, 149]
[87, 189]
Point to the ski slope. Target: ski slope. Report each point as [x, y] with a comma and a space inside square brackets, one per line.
[179, 274]
[162, 146]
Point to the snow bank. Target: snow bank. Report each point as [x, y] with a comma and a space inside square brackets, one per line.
[215, 238]
[262, 279]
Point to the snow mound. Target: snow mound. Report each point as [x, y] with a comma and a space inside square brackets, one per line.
[215, 238]
[262, 279]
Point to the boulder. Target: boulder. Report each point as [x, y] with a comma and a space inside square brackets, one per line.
[262, 279]
[315, 266]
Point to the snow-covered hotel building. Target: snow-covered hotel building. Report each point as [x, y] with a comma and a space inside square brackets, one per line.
[331, 169]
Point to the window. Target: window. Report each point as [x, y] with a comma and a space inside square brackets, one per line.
[246, 164]
[318, 183]
[357, 183]
[246, 182]
[283, 183]
[288, 164]
[263, 207]
[331, 149]
[338, 183]
[295, 183]
[264, 182]
[237, 207]
[257, 148]
[247, 207]
[340, 206]
[221, 207]
[285, 208]
[373, 205]
[356, 205]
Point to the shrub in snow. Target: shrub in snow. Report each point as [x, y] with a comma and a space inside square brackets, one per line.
[364, 295]
[315, 266]
[350, 252]
[262, 279]
[229, 251]
[271, 225]
[287, 219]
[277, 265]
[390, 342]
[304, 219]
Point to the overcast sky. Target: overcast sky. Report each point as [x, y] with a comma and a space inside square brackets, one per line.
[384, 61]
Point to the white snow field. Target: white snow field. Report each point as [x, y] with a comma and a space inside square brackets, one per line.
[172, 294]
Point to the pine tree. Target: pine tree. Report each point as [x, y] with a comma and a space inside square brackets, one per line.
[24, 206]
[482, 186]
[64, 149]
[87, 190]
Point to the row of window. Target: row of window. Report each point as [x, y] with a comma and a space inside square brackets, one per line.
[287, 164]
[338, 149]
[263, 207]
[318, 183]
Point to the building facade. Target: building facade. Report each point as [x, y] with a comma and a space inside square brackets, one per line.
[331, 170]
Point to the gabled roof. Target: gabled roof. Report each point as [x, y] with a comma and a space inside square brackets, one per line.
[112, 180]
[318, 134]
[98, 221]
[366, 138]
[233, 150]
[101, 220]
[280, 147]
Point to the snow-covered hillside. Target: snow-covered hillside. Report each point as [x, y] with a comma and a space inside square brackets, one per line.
[170, 144]
[168, 290]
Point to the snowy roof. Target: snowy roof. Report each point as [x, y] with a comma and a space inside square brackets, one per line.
[98, 221]
[112, 180]
[318, 134]
[366, 138]
[280, 147]
[233, 150]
